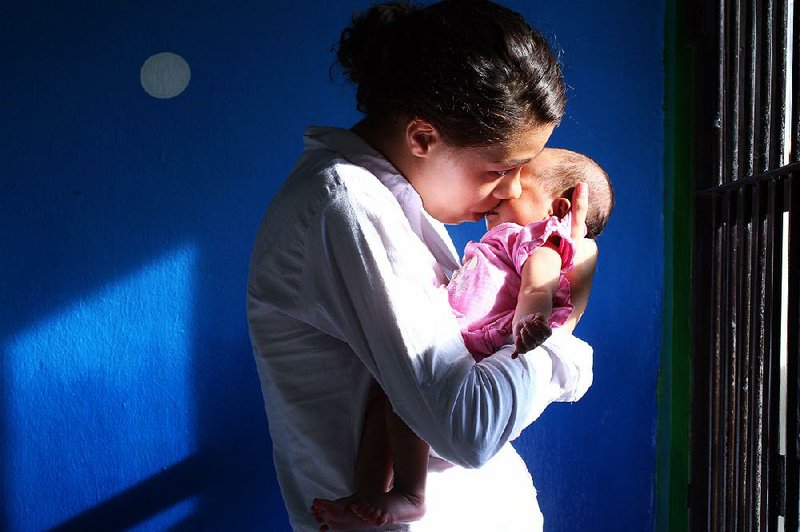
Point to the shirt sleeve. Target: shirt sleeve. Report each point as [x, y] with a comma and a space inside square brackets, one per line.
[373, 283]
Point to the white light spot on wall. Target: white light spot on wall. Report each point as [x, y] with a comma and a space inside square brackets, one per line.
[165, 75]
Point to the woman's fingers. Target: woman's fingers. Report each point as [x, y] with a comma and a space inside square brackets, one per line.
[580, 207]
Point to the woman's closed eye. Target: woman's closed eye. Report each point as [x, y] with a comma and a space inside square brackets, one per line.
[503, 173]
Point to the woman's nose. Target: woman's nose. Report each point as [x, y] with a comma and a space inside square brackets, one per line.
[509, 187]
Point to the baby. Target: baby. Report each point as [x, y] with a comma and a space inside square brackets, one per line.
[511, 287]
[512, 280]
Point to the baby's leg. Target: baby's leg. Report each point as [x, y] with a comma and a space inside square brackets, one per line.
[374, 462]
[406, 499]
[373, 473]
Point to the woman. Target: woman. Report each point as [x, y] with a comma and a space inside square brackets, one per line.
[344, 292]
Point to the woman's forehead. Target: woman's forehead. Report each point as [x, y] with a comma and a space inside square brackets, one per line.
[524, 146]
[516, 154]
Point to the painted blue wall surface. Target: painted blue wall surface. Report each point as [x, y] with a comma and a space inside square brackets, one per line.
[128, 392]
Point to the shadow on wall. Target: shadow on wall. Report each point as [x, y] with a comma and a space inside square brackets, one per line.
[161, 492]
[129, 394]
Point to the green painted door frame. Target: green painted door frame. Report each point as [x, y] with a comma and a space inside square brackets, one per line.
[674, 385]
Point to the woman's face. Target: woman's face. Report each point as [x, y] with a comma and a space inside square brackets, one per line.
[459, 184]
[533, 204]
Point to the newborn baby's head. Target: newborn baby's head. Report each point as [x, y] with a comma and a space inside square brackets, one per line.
[547, 185]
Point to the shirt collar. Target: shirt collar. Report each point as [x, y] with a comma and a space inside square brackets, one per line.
[353, 148]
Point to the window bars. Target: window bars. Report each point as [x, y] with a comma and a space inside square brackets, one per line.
[746, 266]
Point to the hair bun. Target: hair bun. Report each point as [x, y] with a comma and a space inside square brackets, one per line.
[473, 68]
[363, 46]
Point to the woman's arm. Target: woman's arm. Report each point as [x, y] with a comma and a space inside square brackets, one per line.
[371, 286]
[580, 280]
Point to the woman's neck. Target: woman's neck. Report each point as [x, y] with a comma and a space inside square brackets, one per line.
[386, 138]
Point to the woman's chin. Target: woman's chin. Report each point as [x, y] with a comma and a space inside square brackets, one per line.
[463, 218]
[471, 217]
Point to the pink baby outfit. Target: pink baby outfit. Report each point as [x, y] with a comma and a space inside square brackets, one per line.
[483, 292]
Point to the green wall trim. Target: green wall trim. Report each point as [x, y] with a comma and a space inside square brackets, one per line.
[674, 386]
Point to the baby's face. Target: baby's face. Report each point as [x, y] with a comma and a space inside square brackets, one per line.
[533, 204]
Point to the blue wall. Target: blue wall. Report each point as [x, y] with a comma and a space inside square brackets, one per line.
[128, 394]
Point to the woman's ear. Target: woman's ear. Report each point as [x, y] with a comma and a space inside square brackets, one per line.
[421, 137]
[561, 207]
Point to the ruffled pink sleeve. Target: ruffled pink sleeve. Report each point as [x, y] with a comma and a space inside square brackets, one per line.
[534, 235]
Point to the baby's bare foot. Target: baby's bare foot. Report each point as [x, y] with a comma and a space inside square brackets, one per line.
[337, 515]
[391, 507]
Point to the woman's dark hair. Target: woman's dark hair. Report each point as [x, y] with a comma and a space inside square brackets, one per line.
[475, 69]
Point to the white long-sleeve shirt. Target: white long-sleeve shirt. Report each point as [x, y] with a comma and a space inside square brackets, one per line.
[344, 293]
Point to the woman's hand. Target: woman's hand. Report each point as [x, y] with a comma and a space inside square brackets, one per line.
[580, 208]
[580, 278]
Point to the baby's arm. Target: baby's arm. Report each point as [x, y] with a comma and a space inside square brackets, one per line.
[538, 284]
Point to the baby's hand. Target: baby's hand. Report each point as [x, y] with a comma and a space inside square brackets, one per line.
[530, 332]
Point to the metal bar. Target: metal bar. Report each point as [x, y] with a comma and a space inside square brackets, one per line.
[772, 226]
[744, 382]
[762, 155]
[707, 281]
[757, 365]
[777, 92]
[753, 35]
[768, 176]
[792, 194]
[731, 355]
[721, 121]
[795, 96]
[719, 372]
[734, 80]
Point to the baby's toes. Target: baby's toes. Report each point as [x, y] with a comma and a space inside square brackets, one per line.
[367, 512]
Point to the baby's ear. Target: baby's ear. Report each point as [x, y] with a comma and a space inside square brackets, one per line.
[561, 207]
